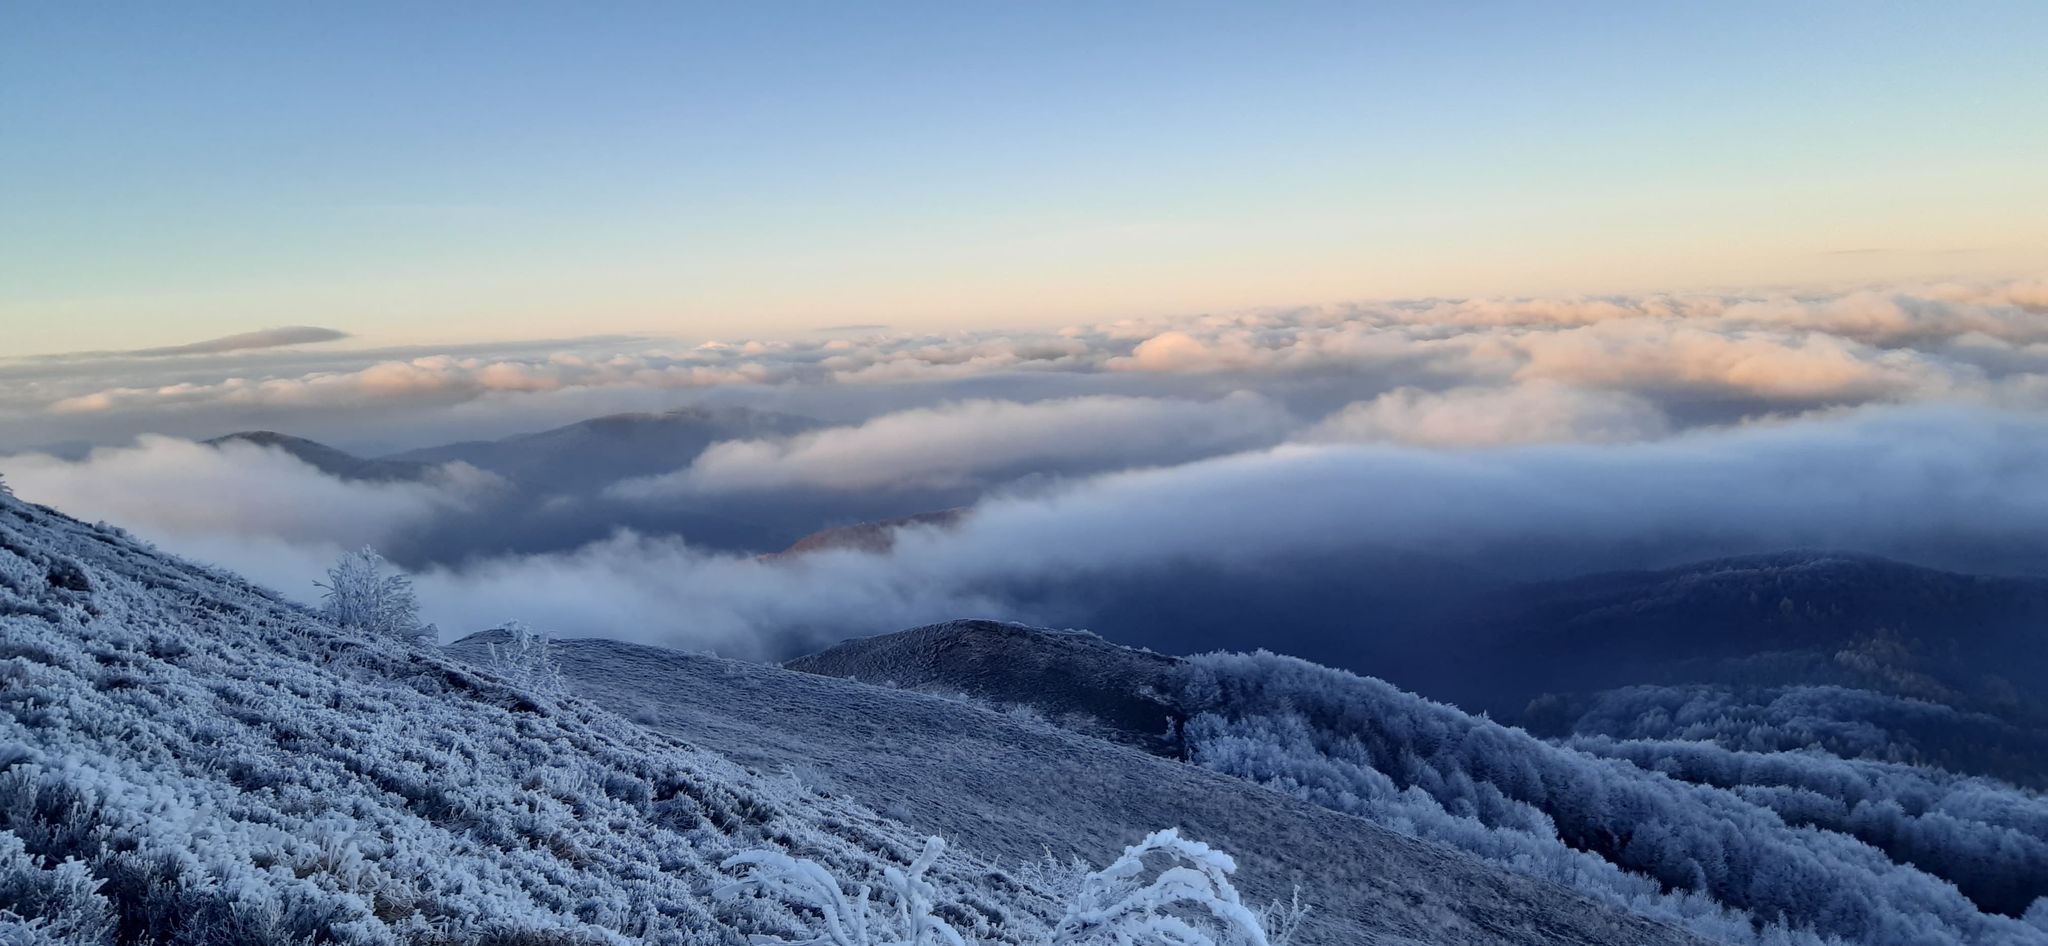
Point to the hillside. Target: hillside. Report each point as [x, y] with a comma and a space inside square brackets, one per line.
[185, 758]
[1943, 635]
[1737, 845]
[1947, 667]
[221, 768]
[1008, 787]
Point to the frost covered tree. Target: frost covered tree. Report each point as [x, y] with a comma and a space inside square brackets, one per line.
[906, 920]
[527, 659]
[1187, 900]
[359, 593]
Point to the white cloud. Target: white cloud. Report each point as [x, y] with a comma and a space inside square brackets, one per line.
[1536, 412]
[1793, 365]
[1939, 475]
[1606, 419]
[1899, 343]
[182, 493]
[954, 443]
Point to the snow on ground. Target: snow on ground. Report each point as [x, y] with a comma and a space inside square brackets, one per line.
[187, 758]
[234, 771]
[1006, 788]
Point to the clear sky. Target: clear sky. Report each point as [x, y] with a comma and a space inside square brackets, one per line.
[457, 171]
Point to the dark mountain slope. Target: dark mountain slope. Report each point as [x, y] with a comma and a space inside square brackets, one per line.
[589, 455]
[1010, 787]
[1867, 657]
[329, 460]
[1080, 680]
[1694, 620]
[1977, 645]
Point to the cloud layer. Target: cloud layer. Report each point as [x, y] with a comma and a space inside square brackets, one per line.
[954, 443]
[1917, 482]
[1523, 438]
[1912, 482]
[1746, 352]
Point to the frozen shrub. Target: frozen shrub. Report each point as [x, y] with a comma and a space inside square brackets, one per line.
[527, 659]
[1186, 901]
[42, 902]
[906, 920]
[1165, 890]
[358, 593]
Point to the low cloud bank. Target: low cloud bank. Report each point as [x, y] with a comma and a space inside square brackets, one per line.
[1917, 482]
[176, 487]
[257, 510]
[954, 443]
[1519, 438]
[1783, 351]
[1537, 412]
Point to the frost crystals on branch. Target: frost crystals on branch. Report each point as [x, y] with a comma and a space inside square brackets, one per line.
[844, 922]
[1189, 902]
[358, 594]
[527, 660]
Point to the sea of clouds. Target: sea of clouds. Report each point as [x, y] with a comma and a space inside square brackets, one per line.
[1533, 437]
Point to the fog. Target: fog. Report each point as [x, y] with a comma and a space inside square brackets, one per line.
[1286, 454]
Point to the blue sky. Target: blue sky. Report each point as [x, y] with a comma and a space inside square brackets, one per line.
[464, 171]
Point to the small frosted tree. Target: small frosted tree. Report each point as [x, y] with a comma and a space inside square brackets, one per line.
[360, 594]
[527, 659]
[1187, 900]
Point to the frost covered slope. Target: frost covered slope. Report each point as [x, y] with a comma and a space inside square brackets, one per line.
[1006, 788]
[184, 758]
[1740, 846]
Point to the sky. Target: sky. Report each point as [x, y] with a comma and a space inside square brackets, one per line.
[463, 172]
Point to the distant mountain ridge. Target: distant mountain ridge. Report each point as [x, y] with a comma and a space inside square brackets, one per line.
[585, 455]
[1788, 617]
[588, 455]
[326, 459]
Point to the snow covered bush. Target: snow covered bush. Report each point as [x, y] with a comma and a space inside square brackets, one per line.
[43, 902]
[1189, 901]
[906, 920]
[527, 659]
[1165, 890]
[358, 593]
